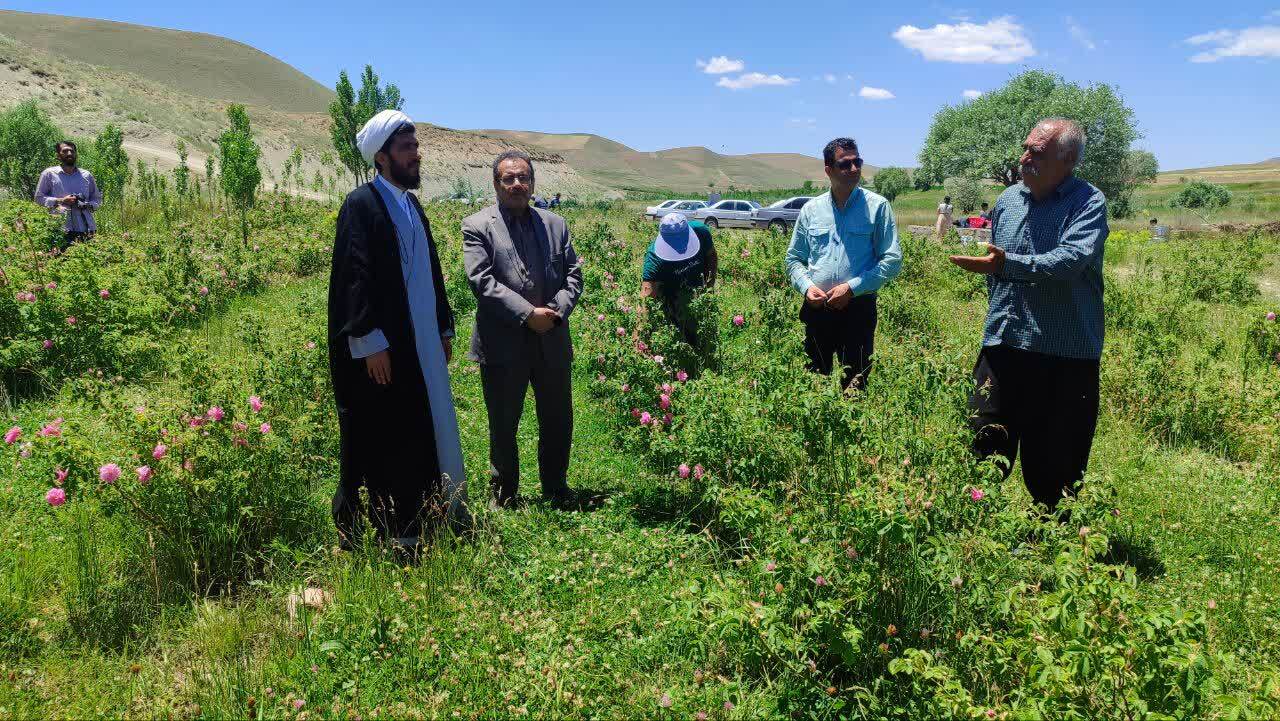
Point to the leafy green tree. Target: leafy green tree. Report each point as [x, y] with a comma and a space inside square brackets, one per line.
[349, 112]
[208, 174]
[965, 192]
[983, 137]
[920, 181]
[1201, 197]
[111, 167]
[182, 173]
[239, 162]
[891, 182]
[1141, 168]
[27, 140]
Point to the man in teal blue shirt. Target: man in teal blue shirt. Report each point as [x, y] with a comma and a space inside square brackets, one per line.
[843, 250]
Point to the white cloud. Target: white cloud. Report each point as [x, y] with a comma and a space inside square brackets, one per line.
[719, 65]
[999, 41]
[971, 94]
[802, 122]
[871, 93]
[1080, 34]
[1257, 42]
[829, 78]
[751, 80]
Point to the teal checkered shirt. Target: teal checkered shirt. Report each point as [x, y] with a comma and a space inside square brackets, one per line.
[1048, 297]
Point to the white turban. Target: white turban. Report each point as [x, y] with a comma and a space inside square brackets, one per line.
[374, 134]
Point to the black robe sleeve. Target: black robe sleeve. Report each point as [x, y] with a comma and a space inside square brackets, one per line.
[353, 273]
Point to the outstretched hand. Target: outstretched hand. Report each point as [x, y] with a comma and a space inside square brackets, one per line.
[989, 264]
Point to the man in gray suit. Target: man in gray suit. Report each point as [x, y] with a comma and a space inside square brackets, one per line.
[526, 279]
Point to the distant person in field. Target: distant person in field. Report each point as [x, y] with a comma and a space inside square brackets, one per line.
[71, 192]
[1037, 372]
[526, 278]
[945, 209]
[555, 201]
[713, 197]
[1158, 232]
[844, 248]
[680, 261]
[390, 340]
[986, 212]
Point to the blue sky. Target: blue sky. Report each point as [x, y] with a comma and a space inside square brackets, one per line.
[1203, 79]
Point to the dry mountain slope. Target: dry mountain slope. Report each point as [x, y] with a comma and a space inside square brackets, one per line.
[195, 63]
[679, 169]
[82, 97]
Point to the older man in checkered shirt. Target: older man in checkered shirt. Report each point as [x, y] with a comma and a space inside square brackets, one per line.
[1037, 373]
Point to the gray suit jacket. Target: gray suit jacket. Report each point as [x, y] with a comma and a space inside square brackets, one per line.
[498, 277]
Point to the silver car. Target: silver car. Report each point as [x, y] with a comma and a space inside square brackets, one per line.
[728, 214]
[779, 216]
[688, 207]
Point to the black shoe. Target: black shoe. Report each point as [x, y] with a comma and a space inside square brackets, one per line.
[499, 503]
[564, 499]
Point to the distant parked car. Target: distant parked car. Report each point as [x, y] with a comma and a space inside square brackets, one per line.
[779, 216]
[728, 214]
[688, 207]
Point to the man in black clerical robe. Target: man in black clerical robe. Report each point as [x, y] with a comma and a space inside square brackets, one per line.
[387, 305]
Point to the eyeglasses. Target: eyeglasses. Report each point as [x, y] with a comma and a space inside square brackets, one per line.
[510, 180]
[849, 163]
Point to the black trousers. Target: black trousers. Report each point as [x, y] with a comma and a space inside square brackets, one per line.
[1046, 406]
[504, 390]
[74, 236]
[847, 335]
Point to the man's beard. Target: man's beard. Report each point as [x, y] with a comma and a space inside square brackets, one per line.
[407, 177]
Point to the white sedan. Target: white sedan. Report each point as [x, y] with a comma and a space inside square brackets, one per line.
[728, 214]
[688, 207]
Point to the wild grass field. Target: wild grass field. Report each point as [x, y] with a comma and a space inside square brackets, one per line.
[765, 547]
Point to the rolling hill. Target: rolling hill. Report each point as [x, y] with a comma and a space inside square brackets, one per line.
[203, 65]
[693, 169]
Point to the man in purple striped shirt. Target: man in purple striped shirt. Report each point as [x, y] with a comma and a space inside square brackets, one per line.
[72, 192]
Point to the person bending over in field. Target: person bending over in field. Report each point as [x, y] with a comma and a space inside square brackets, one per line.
[680, 261]
[843, 250]
[1037, 372]
[390, 341]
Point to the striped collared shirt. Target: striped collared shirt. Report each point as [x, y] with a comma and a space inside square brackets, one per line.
[1048, 297]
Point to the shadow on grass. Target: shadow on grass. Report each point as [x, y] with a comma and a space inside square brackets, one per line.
[1137, 553]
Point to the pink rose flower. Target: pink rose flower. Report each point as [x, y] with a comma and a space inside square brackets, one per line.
[820, 581]
[621, 331]
[204, 290]
[255, 403]
[664, 401]
[55, 497]
[51, 285]
[682, 376]
[600, 377]
[665, 701]
[144, 474]
[109, 473]
[667, 418]
[264, 429]
[298, 704]
[240, 426]
[48, 344]
[626, 387]
[738, 320]
[215, 414]
[658, 359]
[770, 567]
[104, 293]
[635, 412]
[1271, 316]
[53, 430]
[977, 494]
[159, 451]
[699, 471]
[71, 320]
[666, 388]
[645, 418]
[683, 470]
[13, 435]
[59, 476]
[599, 316]
[311, 345]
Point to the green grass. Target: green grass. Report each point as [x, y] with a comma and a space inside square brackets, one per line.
[593, 613]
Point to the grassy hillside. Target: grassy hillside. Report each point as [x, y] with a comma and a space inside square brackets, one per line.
[202, 65]
[685, 170]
